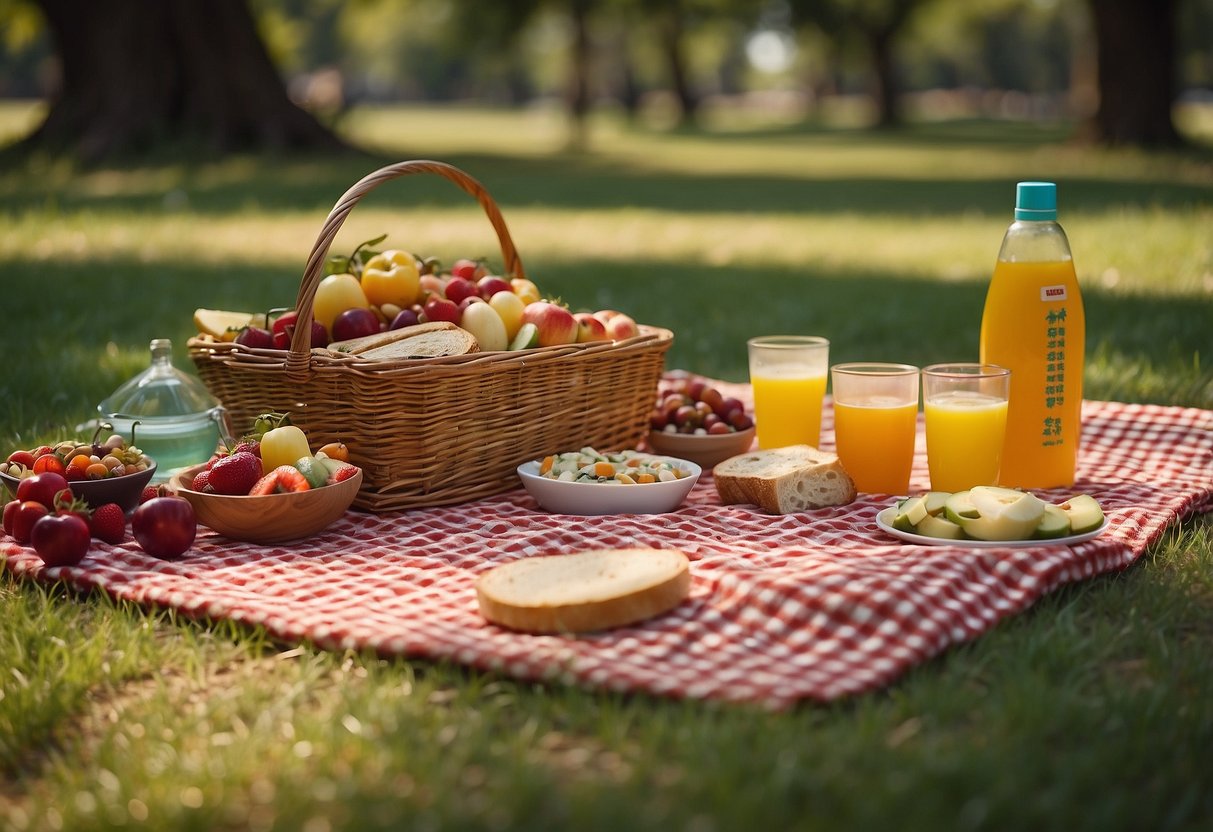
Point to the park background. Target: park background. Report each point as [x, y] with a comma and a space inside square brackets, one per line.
[724, 169]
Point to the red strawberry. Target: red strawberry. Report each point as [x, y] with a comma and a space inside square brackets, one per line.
[284, 478]
[201, 481]
[343, 473]
[150, 492]
[108, 523]
[234, 474]
[251, 446]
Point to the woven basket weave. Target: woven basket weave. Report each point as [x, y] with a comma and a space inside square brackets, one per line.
[438, 431]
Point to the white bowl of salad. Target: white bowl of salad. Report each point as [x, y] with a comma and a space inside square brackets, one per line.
[590, 482]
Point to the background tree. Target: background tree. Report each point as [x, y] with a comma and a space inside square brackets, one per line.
[1135, 44]
[134, 75]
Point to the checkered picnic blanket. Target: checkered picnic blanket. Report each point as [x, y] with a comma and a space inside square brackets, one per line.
[816, 605]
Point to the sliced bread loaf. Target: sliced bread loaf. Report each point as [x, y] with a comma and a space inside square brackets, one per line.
[582, 592]
[419, 341]
[784, 480]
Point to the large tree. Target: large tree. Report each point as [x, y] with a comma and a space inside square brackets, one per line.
[135, 74]
[1135, 43]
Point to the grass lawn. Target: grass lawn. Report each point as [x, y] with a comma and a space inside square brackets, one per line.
[1093, 710]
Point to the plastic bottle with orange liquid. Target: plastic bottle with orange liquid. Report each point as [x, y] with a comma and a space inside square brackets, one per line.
[1034, 325]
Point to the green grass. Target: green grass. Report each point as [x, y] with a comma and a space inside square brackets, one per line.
[1093, 710]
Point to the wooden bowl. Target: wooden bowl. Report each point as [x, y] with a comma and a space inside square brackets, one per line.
[706, 450]
[273, 518]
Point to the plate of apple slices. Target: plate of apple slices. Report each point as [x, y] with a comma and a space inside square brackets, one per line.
[990, 516]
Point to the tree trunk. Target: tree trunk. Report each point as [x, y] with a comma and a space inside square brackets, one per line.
[671, 36]
[579, 74]
[884, 77]
[1135, 40]
[137, 74]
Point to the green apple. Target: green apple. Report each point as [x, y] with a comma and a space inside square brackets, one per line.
[910, 513]
[937, 502]
[935, 526]
[1085, 513]
[1055, 523]
[958, 508]
[526, 338]
[1004, 514]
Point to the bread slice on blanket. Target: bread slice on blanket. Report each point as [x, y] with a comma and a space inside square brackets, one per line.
[418, 341]
[784, 480]
[583, 592]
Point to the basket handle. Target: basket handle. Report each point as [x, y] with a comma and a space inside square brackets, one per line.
[298, 358]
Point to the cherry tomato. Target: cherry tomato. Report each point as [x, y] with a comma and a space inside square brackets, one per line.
[49, 464]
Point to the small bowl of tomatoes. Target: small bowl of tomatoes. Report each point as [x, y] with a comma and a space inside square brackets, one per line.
[269, 518]
[124, 490]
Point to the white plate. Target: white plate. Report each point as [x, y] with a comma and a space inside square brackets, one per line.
[594, 498]
[884, 519]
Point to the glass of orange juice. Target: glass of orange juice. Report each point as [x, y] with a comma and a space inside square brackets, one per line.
[875, 421]
[788, 374]
[966, 414]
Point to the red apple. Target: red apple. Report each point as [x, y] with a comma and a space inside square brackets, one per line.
[459, 288]
[441, 309]
[282, 338]
[466, 302]
[355, 323]
[256, 338]
[590, 328]
[491, 284]
[164, 526]
[41, 488]
[60, 539]
[605, 315]
[432, 284]
[556, 324]
[469, 269]
[283, 321]
[23, 518]
[621, 327]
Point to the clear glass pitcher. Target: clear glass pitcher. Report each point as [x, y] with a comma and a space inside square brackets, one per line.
[174, 418]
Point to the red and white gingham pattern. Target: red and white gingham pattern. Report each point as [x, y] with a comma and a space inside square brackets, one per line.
[815, 605]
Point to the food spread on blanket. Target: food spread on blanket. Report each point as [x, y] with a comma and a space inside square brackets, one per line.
[621, 468]
[993, 513]
[60, 525]
[370, 292]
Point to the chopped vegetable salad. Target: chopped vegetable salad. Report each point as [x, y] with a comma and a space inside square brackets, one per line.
[621, 468]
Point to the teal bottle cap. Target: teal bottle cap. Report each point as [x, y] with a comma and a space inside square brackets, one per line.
[1036, 201]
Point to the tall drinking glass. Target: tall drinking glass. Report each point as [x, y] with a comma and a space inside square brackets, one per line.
[875, 421]
[788, 374]
[966, 414]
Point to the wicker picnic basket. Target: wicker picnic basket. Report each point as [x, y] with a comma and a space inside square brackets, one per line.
[438, 431]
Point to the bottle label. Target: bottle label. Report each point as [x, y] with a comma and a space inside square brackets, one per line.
[1052, 294]
[1055, 374]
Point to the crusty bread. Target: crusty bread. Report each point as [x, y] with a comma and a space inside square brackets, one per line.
[587, 591]
[418, 341]
[784, 480]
